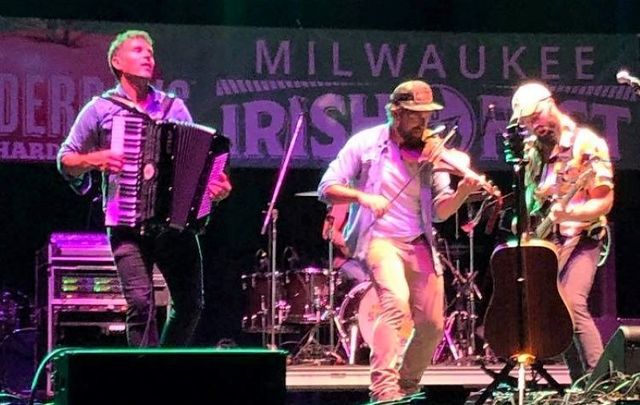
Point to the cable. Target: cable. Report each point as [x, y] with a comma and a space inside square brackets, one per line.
[41, 367]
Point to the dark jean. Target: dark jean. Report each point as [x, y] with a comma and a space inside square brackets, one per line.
[579, 264]
[177, 256]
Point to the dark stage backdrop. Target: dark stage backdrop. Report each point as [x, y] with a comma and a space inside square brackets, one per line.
[34, 201]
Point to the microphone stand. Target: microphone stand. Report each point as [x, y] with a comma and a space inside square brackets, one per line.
[331, 285]
[271, 219]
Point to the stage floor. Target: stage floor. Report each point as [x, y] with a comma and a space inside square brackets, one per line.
[331, 378]
[443, 384]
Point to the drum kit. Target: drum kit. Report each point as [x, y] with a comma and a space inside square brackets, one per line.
[16, 341]
[306, 303]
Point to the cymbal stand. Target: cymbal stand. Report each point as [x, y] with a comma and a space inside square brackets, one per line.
[332, 284]
[463, 319]
[454, 320]
[471, 289]
[312, 346]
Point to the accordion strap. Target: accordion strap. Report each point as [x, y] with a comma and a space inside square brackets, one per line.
[124, 103]
[127, 104]
[166, 104]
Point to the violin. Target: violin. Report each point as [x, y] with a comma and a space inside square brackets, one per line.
[432, 149]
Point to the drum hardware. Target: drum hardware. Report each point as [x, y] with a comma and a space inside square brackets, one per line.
[15, 311]
[312, 349]
[469, 287]
[459, 337]
[356, 317]
[257, 316]
[347, 321]
[16, 319]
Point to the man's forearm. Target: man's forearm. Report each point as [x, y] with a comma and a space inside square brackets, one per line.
[342, 194]
[76, 164]
[448, 206]
[590, 210]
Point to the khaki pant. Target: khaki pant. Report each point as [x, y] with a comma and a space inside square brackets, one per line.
[408, 288]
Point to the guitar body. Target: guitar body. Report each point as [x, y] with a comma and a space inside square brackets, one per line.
[528, 316]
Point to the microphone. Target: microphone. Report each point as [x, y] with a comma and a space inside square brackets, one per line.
[304, 105]
[262, 260]
[490, 116]
[623, 77]
[293, 259]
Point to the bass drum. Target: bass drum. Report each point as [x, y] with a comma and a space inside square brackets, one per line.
[357, 316]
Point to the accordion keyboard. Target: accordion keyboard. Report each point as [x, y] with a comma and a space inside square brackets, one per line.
[127, 139]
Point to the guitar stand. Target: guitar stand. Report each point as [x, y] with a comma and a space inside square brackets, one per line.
[503, 377]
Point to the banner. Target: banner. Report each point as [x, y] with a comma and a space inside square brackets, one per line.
[255, 84]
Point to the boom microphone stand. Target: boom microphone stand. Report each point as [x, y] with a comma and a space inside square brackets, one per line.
[271, 218]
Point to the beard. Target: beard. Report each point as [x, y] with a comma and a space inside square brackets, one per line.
[545, 143]
[412, 138]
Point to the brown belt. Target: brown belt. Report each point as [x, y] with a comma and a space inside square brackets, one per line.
[419, 240]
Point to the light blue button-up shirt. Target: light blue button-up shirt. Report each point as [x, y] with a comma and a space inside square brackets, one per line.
[359, 164]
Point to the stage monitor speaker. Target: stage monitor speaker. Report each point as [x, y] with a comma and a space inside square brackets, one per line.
[169, 376]
[622, 354]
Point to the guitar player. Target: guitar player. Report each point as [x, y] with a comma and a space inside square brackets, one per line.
[558, 151]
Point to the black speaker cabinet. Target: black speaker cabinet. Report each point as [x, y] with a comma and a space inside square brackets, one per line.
[622, 353]
[169, 376]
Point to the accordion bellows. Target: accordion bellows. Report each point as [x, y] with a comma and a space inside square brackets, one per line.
[167, 166]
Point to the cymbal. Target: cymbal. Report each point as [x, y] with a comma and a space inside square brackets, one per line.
[313, 193]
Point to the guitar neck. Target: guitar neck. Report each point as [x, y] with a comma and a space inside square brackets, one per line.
[544, 228]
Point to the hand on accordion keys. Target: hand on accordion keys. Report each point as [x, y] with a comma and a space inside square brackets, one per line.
[219, 187]
[106, 161]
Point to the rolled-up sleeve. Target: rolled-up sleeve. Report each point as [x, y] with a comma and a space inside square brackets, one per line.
[591, 145]
[440, 189]
[343, 169]
[82, 138]
[603, 167]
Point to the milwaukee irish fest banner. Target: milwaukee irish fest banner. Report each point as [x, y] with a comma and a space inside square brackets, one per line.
[253, 84]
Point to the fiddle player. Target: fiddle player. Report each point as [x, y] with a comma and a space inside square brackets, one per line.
[395, 238]
[557, 151]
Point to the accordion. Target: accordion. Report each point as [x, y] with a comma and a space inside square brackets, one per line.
[166, 168]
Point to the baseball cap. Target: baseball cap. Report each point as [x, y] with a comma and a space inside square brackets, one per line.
[526, 99]
[414, 95]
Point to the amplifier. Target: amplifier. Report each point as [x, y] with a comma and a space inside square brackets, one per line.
[76, 272]
[79, 299]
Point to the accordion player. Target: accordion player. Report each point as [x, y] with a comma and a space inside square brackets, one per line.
[166, 168]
